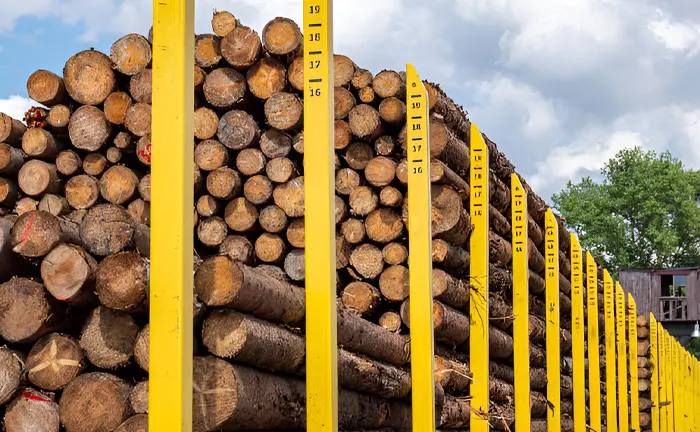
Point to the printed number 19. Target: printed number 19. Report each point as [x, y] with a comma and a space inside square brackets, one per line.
[314, 9]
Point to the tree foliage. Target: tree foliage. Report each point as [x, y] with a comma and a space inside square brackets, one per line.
[644, 213]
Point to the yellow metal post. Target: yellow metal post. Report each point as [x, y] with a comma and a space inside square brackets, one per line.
[610, 375]
[593, 347]
[521, 339]
[479, 273]
[319, 199]
[553, 353]
[170, 401]
[655, 370]
[420, 259]
[634, 375]
[577, 347]
[677, 387]
[621, 322]
[668, 362]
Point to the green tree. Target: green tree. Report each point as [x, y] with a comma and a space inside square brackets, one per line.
[644, 213]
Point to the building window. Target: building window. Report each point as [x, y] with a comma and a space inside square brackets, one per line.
[673, 297]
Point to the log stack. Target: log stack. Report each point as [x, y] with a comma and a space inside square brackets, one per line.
[75, 194]
[644, 370]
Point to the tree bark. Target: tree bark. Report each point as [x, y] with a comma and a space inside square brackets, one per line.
[136, 423]
[358, 335]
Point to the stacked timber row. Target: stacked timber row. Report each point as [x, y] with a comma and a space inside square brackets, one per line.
[74, 246]
[644, 370]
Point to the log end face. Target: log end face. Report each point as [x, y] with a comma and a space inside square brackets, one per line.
[89, 77]
[218, 280]
[24, 308]
[94, 401]
[32, 411]
[281, 36]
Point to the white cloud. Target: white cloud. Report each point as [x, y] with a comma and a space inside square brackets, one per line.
[676, 36]
[15, 106]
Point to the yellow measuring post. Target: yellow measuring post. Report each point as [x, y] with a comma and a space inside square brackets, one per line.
[479, 275]
[661, 365]
[420, 263]
[170, 395]
[677, 387]
[634, 374]
[621, 323]
[593, 347]
[668, 363]
[610, 375]
[319, 200]
[577, 337]
[521, 339]
[655, 370]
[553, 352]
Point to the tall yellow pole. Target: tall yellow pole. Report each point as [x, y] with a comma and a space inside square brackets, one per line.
[610, 375]
[521, 337]
[655, 373]
[634, 373]
[170, 384]
[319, 199]
[621, 321]
[593, 344]
[553, 352]
[577, 334]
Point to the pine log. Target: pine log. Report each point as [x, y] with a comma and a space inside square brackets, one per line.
[142, 347]
[140, 211]
[270, 248]
[35, 233]
[240, 215]
[145, 188]
[344, 102]
[283, 111]
[220, 281]
[392, 110]
[393, 283]
[82, 191]
[454, 259]
[23, 205]
[266, 77]
[119, 184]
[353, 230]
[367, 259]
[275, 143]
[366, 95]
[108, 338]
[206, 122]
[115, 107]
[238, 130]
[296, 233]
[41, 144]
[122, 281]
[12, 265]
[395, 254]
[136, 423]
[224, 183]
[223, 23]
[341, 210]
[32, 411]
[54, 204]
[107, 229]
[113, 155]
[241, 47]
[36, 178]
[47, 88]
[295, 265]
[89, 128]
[290, 197]
[124, 140]
[207, 51]
[449, 324]
[68, 273]
[26, 311]
[131, 54]
[391, 321]
[141, 86]
[94, 401]
[358, 155]
[250, 161]
[273, 219]
[642, 333]
[54, 361]
[88, 77]
[280, 170]
[343, 70]
[359, 335]
[295, 74]
[138, 398]
[11, 130]
[9, 192]
[387, 83]
[10, 374]
[11, 159]
[364, 120]
[361, 78]
[138, 119]
[94, 164]
[224, 87]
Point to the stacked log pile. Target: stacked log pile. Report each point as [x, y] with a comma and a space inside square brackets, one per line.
[644, 370]
[75, 193]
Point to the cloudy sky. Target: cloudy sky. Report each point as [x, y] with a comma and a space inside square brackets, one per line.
[560, 85]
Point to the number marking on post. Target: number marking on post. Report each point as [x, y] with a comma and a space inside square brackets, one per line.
[553, 351]
[420, 259]
[319, 198]
[593, 341]
[655, 373]
[621, 323]
[610, 374]
[479, 290]
[634, 374]
[170, 402]
[577, 347]
[521, 293]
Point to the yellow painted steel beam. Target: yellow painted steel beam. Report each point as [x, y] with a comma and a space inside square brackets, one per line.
[610, 374]
[170, 394]
[479, 273]
[634, 374]
[677, 387]
[663, 386]
[593, 345]
[655, 371]
[521, 338]
[420, 262]
[319, 200]
[621, 323]
[577, 336]
[669, 382]
[553, 351]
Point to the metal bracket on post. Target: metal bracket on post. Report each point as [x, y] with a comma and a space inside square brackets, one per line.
[577, 337]
[170, 395]
[553, 350]
[521, 294]
[479, 287]
[610, 373]
[593, 341]
[621, 323]
[420, 263]
[634, 374]
[319, 199]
